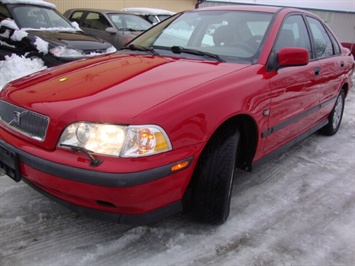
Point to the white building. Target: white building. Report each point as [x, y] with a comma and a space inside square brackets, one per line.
[339, 15]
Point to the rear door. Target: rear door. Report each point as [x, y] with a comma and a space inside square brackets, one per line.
[294, 89]
[328, 54]
[95, 24]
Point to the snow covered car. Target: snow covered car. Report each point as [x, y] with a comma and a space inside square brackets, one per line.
[35, 29]
[116, 27]
[152, 15]
[129, 137]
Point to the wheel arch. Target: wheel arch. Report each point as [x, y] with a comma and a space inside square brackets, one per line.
[245, 151]
[248, 139]
[247, 128]
[345, 87]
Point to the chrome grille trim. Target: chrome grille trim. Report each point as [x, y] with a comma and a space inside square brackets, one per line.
[26, 122]
[95, 51]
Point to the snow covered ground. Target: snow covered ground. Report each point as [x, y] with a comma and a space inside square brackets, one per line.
[298, 209]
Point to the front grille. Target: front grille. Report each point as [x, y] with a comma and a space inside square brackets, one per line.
[29, 123]
[95, 51]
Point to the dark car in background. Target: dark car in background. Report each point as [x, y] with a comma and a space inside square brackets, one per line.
[115, 27]
[37, 29]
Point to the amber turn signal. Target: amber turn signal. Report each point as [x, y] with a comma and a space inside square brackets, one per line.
[179, 166]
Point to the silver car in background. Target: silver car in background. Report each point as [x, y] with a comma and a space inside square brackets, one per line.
[115, 27]
[152, 15]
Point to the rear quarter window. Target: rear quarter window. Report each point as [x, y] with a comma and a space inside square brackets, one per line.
[322, 42]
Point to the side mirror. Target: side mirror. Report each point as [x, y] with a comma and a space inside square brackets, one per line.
[111, 30]
[293, 57]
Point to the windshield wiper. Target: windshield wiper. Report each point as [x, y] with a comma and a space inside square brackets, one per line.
[94, 162]
[134, 47]
[179, 50]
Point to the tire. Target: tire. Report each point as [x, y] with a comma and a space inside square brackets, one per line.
[335, 116]
[213, 178]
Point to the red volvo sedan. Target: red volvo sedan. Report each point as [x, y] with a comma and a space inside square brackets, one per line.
[126, 137]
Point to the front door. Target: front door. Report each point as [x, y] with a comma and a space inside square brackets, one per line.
[294, 90]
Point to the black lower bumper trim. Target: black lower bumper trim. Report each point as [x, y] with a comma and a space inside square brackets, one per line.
[131, 219]
[89, 176]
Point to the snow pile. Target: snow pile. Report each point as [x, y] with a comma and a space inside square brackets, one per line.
[15, 67]
[11, 31]
[9, 23]
[76, 26]
[18, 35]
[41, 45]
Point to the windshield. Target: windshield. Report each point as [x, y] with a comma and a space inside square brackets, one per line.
[36, 17]
[130, 22]
[229, 34]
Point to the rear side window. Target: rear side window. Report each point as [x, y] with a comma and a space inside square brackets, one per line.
[322, 42]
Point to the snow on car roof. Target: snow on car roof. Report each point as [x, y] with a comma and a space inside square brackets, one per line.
[147, 10]
[31, 2]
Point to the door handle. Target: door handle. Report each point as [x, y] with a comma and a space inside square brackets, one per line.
[317, 71]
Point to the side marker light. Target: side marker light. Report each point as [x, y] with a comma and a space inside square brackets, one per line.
[179, 166]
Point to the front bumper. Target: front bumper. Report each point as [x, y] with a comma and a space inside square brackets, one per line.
[133, 219]
[134, 198]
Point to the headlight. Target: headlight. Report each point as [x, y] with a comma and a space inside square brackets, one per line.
[116, 140]
[111, 50]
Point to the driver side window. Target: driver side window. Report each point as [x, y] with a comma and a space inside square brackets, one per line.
[293, 33]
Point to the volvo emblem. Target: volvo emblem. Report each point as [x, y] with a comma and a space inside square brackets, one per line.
[17, 117]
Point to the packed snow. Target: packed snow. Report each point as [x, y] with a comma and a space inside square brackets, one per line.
[18, 66]
[297, 209]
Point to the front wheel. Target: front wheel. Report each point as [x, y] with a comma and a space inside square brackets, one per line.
[335, 116]
[213, 177]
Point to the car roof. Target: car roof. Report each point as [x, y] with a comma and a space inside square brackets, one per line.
[259, 8]
[104, 11]
[147, 10]
[29, 2]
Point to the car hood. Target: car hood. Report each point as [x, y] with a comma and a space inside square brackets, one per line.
[112, 88]
[71, 39]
